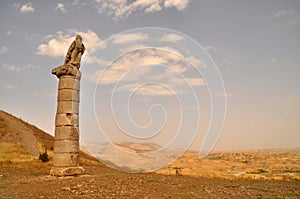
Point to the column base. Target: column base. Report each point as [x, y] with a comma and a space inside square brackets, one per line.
[67, 171]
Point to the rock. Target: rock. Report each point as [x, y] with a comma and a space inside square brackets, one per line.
[66, 188]
[66, 70]
[67, 171]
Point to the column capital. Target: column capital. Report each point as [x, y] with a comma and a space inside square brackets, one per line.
[68, 69]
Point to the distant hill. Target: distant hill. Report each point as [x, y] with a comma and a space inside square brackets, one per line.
[275, 164]
[21, 141]
[137, 147]
[131, 156]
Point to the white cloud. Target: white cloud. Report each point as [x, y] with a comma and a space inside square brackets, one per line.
[283, 13]
[129, 38]
[27, 8]
[31, 66]
[288, 16]
[91, 40]
[150, 65]
[149, 56]
[11, 86]
[9, 32]
[171, 53]
[210, 49]
[3, 49]
[11, 68]
[196, 81]
[92, 59]
[153, 8]
[178, 4]
[124, 8]
[171, 38]
[57, 45]
[61, 7]
[146, 58]
[79, 3]
[152, 90]
[196, 62]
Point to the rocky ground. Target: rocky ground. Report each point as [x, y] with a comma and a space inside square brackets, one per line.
[280, 164]
[27, 181]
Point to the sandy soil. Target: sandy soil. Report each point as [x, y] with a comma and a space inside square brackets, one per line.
[102, 182]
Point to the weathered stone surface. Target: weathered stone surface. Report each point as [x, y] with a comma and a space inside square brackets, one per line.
[68, 82]
[67, 107]
[67, 133]
[75, 52]
[69, 70]
[68, 95]
[67, 171]
[67, 119]
[66, 159]
[66, 146]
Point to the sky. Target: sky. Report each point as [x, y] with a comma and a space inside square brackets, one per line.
[181, 68]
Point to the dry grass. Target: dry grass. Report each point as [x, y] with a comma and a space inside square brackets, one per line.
[18, 138]
[265, 164]
[12, 152]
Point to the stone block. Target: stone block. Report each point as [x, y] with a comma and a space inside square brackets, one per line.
[67, 119]
[64, 107]
[66, 159]
[66, 146]
[68, 82]
[67, 133]
[68, 95]
[67, 171]
[67, 70]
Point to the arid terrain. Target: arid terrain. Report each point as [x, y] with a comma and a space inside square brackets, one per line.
[246, 174]
[281, 164]
[33, 181]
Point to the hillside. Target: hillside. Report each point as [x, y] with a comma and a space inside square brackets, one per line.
[21, 141]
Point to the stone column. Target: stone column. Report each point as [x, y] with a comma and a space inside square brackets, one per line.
[66, 143]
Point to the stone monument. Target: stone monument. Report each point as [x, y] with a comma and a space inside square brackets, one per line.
[66, 142]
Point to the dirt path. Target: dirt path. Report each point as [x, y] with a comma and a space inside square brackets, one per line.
[102, 182]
